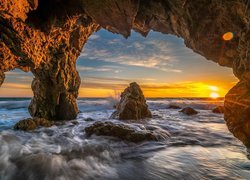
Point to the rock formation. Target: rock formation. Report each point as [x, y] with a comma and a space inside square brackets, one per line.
[45, 37]
[172, 106]
[189, 111]
[132, 105]
[218, 109]
[31, 124]
[125, 132]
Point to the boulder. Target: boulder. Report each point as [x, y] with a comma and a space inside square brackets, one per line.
[32, 123]
[218, 109]
[172, 106]
[189, 111]
[132, 105]
[89, 119]
[125, 132]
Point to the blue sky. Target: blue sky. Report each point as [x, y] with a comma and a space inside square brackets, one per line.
[158, 62]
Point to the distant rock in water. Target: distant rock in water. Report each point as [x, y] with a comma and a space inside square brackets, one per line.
[132, 105]
[125, 132]
[218, 109]
[172, 106]
[189, 111]
[32, 123]
[89, 119]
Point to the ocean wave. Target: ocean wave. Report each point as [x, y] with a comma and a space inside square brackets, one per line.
[9, 105]
[196, 104]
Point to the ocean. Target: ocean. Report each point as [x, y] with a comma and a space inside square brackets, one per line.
[200, 146]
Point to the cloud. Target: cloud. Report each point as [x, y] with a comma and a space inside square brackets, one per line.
[105, 68]
[87, 68]
[94, 37]
[15, 86]
[147, 53]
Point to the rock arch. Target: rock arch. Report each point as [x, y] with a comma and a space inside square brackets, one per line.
[46, 37]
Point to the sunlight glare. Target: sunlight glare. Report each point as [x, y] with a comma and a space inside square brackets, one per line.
[228, 36]
[214, 95]
[213, 88]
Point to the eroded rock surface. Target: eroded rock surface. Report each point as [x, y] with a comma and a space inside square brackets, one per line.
[125, 132]
[237, 111]
[32, 123]
[189, 111]
[46, 37]
[132, 105]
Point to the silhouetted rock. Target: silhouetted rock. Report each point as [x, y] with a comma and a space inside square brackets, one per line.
[32, 123]
[189, 111]
[172, 106]
[218, 109]
[132, 105]
[125, 132]
[89, 119]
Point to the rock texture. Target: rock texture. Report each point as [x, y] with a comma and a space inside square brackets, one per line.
[125, 132]
[46, 37]
[132, 105]
[189, 111]
[32, 123]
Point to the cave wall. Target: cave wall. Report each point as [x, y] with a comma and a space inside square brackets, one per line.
[46, 37]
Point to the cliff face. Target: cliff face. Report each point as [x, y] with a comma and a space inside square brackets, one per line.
[46, 37]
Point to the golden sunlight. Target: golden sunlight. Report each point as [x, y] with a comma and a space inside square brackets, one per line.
[214, 95]
[213, 88]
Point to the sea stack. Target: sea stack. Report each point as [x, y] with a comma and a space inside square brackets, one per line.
[132, 105]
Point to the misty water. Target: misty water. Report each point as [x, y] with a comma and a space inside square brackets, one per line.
[200, 146]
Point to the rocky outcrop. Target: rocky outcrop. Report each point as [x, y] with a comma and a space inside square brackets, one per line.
[189, 111]
[218, 110]
[32, 124]
[46, 37]
[172, 106]
[125, 132]
[132, 105]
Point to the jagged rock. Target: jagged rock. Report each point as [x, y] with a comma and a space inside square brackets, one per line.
[125, 132]
[172, 106]
[32, 123]
[46, 37]
[132, 105]
[218, 109]
[189, 111]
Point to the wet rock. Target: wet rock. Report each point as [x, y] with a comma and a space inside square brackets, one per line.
[132, 105]
[189, 111]
[125, 132]
[32, 123]
[218, 109]
[89, 119]
[74, 122]
[172, 106]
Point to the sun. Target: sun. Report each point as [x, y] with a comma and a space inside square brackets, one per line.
[214, 95]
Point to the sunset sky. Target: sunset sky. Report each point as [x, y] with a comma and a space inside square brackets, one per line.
[160, 63]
